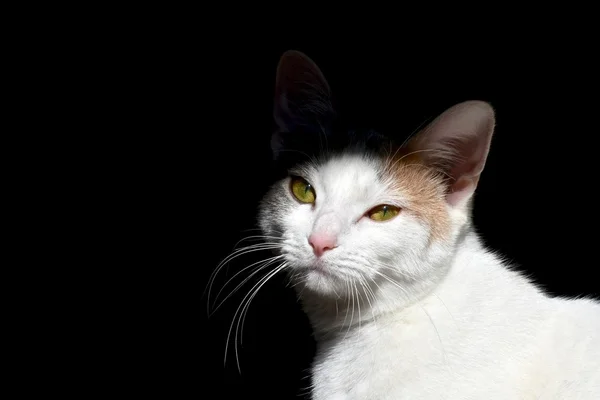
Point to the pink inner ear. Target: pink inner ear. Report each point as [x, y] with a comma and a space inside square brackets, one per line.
[470, 155]
[460, 190]
[457, 143]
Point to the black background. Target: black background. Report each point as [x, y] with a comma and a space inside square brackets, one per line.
[206, 165]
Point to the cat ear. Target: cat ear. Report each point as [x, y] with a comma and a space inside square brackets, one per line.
[457, 143]
[302, 98]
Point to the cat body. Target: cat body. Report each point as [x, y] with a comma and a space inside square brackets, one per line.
[404, 300]
[484, 333]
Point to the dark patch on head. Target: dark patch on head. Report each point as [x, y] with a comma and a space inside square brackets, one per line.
[307, 125]
[304, 146]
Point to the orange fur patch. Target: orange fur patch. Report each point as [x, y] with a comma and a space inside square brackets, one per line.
[424, 188]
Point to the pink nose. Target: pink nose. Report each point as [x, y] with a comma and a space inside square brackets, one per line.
[321, 242]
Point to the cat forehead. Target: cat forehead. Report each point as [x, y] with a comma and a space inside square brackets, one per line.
[350, 169]
[348, 177]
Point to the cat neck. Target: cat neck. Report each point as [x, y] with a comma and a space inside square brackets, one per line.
[332, 316]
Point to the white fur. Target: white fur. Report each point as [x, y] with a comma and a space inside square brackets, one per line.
[449, 321]
[483, 333]
[400, 311]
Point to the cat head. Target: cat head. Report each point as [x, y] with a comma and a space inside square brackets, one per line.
[362, 211]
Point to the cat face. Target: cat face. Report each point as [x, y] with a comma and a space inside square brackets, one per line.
[350, 217]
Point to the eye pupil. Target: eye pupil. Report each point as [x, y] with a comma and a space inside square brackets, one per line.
[383, 212]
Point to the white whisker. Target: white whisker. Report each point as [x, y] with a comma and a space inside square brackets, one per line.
[256, 237]
[352, 317]
[368, 291]
[252, 291]
[358, 304]
[267, 262]
[231, 257]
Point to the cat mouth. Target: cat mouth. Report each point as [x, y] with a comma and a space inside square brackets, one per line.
[317, 267]
[320, 267]
[319, 270]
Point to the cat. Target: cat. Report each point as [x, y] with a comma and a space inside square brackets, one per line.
[404, 299]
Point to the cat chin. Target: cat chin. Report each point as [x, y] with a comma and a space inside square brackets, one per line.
[321, 281]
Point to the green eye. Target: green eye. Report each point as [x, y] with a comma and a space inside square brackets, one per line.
[302, 190]
[383, 212]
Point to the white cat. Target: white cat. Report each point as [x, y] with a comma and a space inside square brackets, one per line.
[404, 300]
